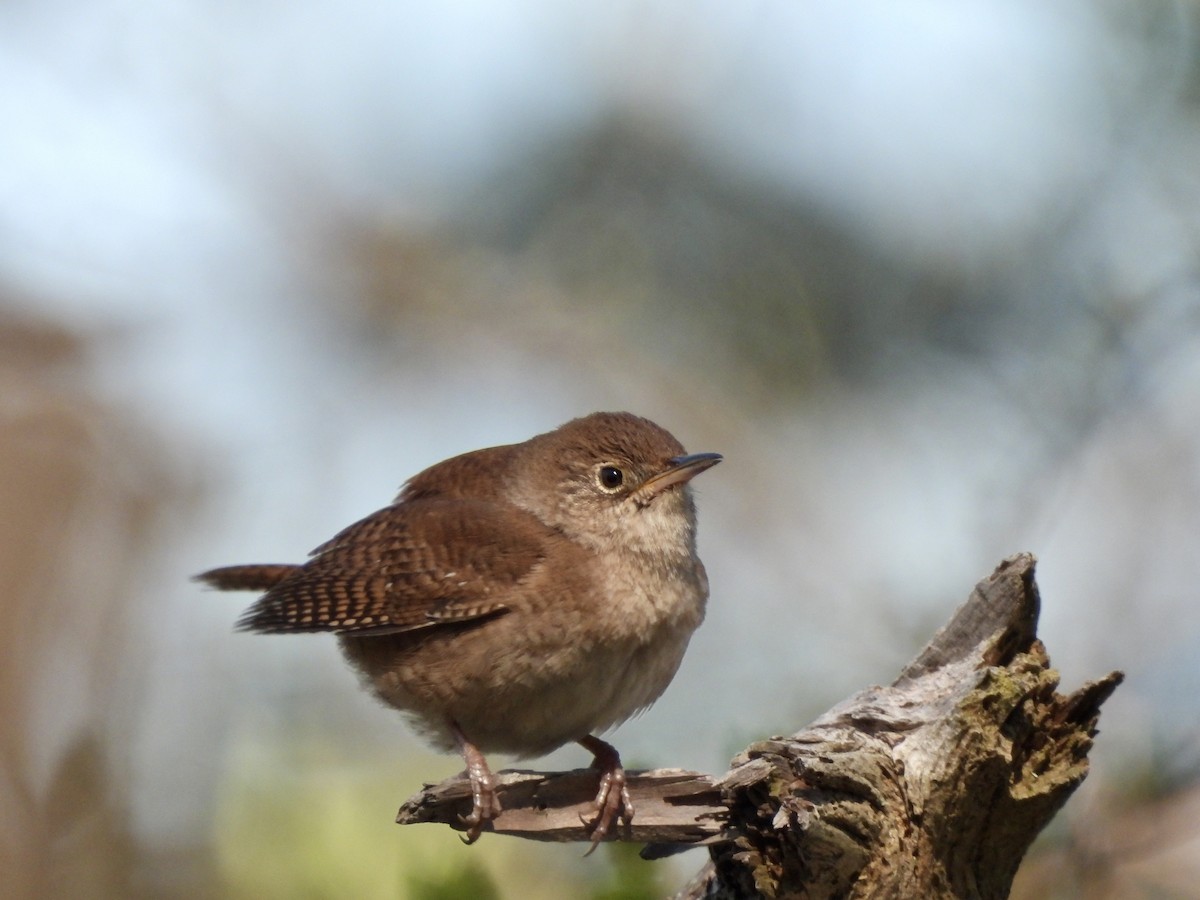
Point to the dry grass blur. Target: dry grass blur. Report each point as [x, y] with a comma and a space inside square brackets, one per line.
[1127, 849]
[82, 492]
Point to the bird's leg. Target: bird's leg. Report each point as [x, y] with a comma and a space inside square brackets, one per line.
[485, 804]
[612, 800]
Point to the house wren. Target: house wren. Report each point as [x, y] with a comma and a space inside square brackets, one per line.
[513, 599]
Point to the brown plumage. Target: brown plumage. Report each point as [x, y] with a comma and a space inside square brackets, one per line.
[513, 599]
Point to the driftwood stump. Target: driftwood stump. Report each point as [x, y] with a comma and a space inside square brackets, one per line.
[934, 786]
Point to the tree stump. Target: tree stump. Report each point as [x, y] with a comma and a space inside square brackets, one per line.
[934, 786]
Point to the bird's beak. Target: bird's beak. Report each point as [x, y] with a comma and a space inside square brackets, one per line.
[680, 470]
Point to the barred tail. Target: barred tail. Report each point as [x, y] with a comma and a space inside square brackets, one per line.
[247, 578]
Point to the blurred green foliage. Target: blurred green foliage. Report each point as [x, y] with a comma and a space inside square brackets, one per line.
[317, 827]
[631, 877]
[467, 881]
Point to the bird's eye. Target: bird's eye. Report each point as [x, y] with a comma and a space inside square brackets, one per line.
[611, 477]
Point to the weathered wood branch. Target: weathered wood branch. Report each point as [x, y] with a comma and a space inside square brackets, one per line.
[673, 806]
[934, 786]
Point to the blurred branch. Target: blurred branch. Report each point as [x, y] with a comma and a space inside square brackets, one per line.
[932, 787]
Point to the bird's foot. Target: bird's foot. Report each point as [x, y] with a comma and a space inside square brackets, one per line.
[485, 805]
[612, 799]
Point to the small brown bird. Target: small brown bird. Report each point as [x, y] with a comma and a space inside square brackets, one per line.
[513, 599]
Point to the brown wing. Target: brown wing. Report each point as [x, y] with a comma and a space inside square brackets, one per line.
[411, 565]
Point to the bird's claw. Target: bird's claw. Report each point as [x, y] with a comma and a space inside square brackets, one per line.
[612, 803]
[485, 805]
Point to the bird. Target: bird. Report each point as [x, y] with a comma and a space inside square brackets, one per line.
[513, 599]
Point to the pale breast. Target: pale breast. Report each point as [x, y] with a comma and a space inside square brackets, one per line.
[544, 674]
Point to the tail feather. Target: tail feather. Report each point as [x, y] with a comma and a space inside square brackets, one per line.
[247, 578]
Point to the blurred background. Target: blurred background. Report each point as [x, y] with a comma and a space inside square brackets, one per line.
[926, 273]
